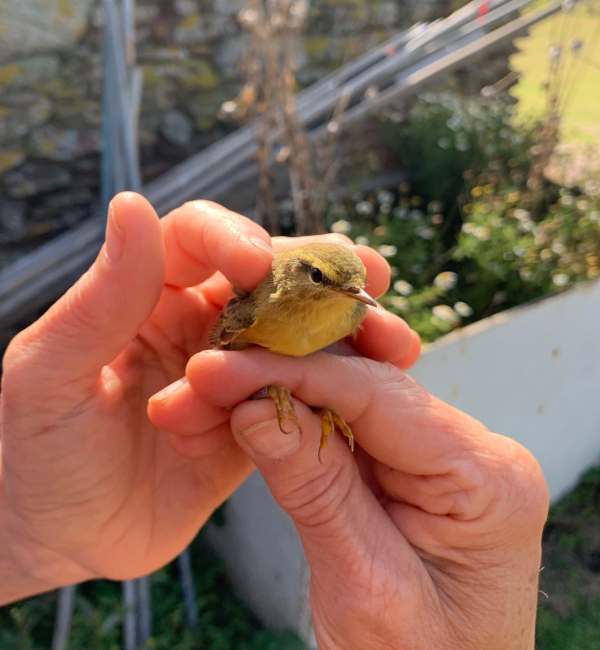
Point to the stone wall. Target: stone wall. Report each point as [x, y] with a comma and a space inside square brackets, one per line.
[189, 50]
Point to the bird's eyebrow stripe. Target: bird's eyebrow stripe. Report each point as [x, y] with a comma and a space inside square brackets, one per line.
[308, 267]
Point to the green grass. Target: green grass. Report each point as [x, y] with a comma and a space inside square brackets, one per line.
[569, 617]
[579, 75]
[577, 631]
[224, 623]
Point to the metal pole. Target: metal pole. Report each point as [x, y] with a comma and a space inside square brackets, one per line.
[189, 590]
[64, 618]
[129, 621]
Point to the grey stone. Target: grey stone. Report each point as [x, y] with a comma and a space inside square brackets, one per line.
[36, 25]
[35, 178]
[29, 71]
[187, 7]
[13, 224]
[228, 55]
[56, 204]
[177, 128]
[62, 144]
[22, 116]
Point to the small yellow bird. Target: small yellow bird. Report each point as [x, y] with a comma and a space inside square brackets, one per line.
[313, 297]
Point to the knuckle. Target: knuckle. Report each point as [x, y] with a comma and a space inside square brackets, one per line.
[15, 369]
[319, 501]
[14, 351]
[523, 485]
[18, 355]
[533, 484]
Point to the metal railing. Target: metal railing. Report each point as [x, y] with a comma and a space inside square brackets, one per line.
[122, 90]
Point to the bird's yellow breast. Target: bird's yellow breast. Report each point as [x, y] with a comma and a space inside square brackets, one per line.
[303, 327]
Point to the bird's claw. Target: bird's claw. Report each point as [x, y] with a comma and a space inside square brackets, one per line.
[285, 408]
[330, 421]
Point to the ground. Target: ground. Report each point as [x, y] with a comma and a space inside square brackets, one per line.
[569, 612]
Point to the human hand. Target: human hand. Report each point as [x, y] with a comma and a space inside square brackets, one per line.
[88, 486]
[431, 539]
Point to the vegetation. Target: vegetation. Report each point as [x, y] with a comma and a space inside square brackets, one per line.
[569, 612]
[224, 623]
[470, 234]
[576, 33]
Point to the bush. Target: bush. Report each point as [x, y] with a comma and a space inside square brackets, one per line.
[448, 139]
[466, 237]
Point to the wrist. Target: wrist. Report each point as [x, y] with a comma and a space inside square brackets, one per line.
[27, 567]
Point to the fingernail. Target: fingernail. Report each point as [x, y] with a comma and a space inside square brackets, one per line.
[171, 389]
[114, 236]
[259, 243]
[267, 440]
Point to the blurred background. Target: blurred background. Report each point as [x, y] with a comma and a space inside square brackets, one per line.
[460, 139]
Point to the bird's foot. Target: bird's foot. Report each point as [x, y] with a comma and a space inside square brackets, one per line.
[284, 406]
[330, 421]
[286, 415]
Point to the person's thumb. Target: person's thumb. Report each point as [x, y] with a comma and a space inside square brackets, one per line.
[89, 326]
[341, 523]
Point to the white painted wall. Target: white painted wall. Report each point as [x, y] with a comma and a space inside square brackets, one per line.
[532, 373]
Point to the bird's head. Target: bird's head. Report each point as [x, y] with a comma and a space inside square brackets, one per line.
[321, 271]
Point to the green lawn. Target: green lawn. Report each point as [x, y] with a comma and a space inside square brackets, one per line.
[569, 612]
[579, 74]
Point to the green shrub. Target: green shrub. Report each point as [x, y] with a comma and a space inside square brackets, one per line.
[448, 140]
[466, 237]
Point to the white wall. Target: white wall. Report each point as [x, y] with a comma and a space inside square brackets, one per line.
[532, 373]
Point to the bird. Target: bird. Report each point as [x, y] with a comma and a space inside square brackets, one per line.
[313, 296]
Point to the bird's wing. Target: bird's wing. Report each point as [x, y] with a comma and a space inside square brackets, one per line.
[238, 315]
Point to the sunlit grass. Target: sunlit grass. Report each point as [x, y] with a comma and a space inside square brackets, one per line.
[579, 74]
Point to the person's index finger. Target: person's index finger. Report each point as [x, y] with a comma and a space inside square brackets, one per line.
[202, 237]
[382, 336]
[287, 243]
[378, 270]
[394, 419]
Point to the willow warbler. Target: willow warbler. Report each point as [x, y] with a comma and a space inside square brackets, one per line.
[313, 297]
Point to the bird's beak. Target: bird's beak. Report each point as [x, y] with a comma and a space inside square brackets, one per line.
[360, 294]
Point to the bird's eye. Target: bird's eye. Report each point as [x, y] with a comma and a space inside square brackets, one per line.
[315, 275]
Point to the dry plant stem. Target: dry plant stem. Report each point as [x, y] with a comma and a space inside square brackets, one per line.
[564, 69]
[273, 26]
[266, 204]
[301, 174]
[267, 122]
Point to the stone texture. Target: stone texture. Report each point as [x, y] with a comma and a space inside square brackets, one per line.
[34, 178]
[13, 223]
[63, 143]
[36, 25]
[177, 128]
[190, 52]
